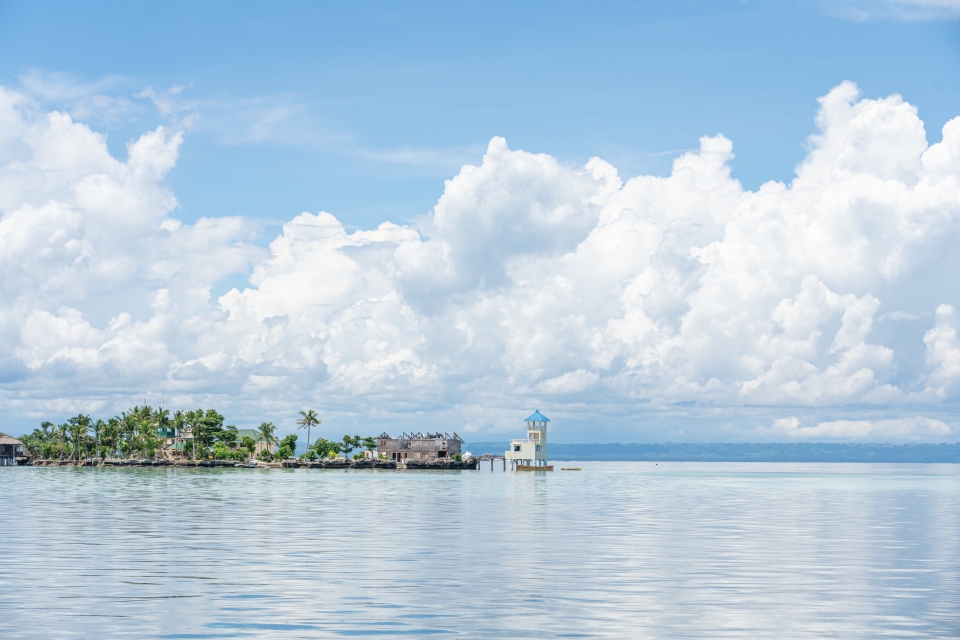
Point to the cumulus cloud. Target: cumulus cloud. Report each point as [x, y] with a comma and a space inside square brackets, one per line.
[899, 429]
[943, 351]
[531, 279]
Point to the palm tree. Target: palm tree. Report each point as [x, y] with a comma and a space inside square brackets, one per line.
[193, 420]
[99, 430]
[161, 418]
[179, 422]
[77, 428]
[62, 430]
[112, 435]
[128, 429]
[265, 430]
[309, 419]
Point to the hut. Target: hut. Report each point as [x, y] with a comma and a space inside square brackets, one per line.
[10, 450]
[418, 446]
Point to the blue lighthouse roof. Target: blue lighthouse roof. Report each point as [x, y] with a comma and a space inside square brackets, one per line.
[537, 417]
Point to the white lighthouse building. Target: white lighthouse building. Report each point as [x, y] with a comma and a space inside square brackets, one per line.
[531, 453]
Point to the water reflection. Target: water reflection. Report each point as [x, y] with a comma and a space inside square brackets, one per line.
[615, 550]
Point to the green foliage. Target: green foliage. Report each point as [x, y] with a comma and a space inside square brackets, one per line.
[288, 447]
[265, 435]
[143, 431]
[349, 444]
[249, 444]
[322, 448]
[359, 456]
[222, 452]
[308, 418]
[458, 457]
[208, 427]
[229, 436]
[140, 432]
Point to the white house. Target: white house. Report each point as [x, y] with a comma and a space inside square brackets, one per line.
[531, 451]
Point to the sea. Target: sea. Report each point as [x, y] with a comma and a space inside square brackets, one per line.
[612, 550]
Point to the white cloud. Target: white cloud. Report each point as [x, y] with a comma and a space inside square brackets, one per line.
[905, 10]
[93, 101]
[531, 279]
[900, 429]
[943, 351]
[570, 382]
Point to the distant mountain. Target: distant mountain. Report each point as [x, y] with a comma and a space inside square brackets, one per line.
[730, 452]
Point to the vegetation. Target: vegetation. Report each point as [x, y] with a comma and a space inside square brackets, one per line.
[321, 449]
[142, 432]
[288, 447]
[308, 418]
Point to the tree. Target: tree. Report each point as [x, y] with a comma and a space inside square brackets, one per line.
[265, 432]
[349, 444]
[42, 442]
[208, 427]
[99, 429]
[161, 418]
[309, 418]
[288, 447]
[322, 448]
[194, 419]
[62, 429]
[369, 443]
[179, 423]
[111, 435]
[139, 431]
[228, 436]
[248, 443]
[77, 428]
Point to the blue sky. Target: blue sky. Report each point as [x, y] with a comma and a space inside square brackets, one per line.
[525, 205]
[364, 108]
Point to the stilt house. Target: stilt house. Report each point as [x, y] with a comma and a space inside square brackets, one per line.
[10, 450]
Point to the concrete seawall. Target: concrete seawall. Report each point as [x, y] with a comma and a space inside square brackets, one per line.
[286, 464]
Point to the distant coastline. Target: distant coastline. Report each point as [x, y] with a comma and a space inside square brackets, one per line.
[750, 452]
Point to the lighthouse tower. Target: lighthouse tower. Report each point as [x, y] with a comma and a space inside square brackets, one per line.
[531, 451]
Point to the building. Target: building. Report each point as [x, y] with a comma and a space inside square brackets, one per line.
[171, 445]
[176, 444]
[531, 451]
[10, 450]
[418, 446]
[255, 435]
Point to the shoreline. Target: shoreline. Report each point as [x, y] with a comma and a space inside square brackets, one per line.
[439, 463]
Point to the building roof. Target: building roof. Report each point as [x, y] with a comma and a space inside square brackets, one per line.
[537, 417]
[5, 439]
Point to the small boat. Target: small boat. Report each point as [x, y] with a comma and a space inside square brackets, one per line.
[528, 467]
[569, 468]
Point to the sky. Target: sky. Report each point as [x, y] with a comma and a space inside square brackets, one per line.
[684, 221]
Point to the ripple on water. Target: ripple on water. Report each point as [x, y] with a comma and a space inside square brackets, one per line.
[616, 550]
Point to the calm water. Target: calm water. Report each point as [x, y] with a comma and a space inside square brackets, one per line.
[615, 550]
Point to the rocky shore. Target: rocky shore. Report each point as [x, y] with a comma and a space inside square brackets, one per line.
[441, 463]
